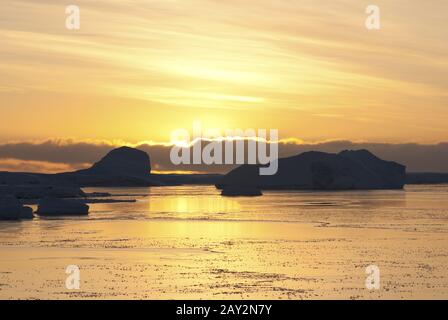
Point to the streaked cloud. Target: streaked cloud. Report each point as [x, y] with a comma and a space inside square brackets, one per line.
[154, 66]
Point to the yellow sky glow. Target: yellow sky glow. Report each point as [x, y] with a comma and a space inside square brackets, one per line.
[137, 70]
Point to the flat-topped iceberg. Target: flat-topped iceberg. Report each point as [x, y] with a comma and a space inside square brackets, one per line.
[347, 170]
[62, 207]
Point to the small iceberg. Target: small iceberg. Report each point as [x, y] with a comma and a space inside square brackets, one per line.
[62, 207]
[12, 209]
[239, 191]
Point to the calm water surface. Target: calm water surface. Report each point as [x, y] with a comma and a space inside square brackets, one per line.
[189, 242]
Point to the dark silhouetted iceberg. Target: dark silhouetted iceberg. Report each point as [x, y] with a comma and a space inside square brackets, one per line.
[121, 167]
[240, 191]
[124, 161]
[62, 207]
[12, 209]
[347, 170]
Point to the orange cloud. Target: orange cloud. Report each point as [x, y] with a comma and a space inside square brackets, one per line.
[16, 165]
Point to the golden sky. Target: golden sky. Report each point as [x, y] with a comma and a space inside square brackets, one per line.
[137, 70]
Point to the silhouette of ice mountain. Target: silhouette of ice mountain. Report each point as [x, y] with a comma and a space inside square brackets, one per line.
[347, 170]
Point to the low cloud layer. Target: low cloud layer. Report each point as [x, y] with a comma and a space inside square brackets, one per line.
[15, 165]
[56, 156]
